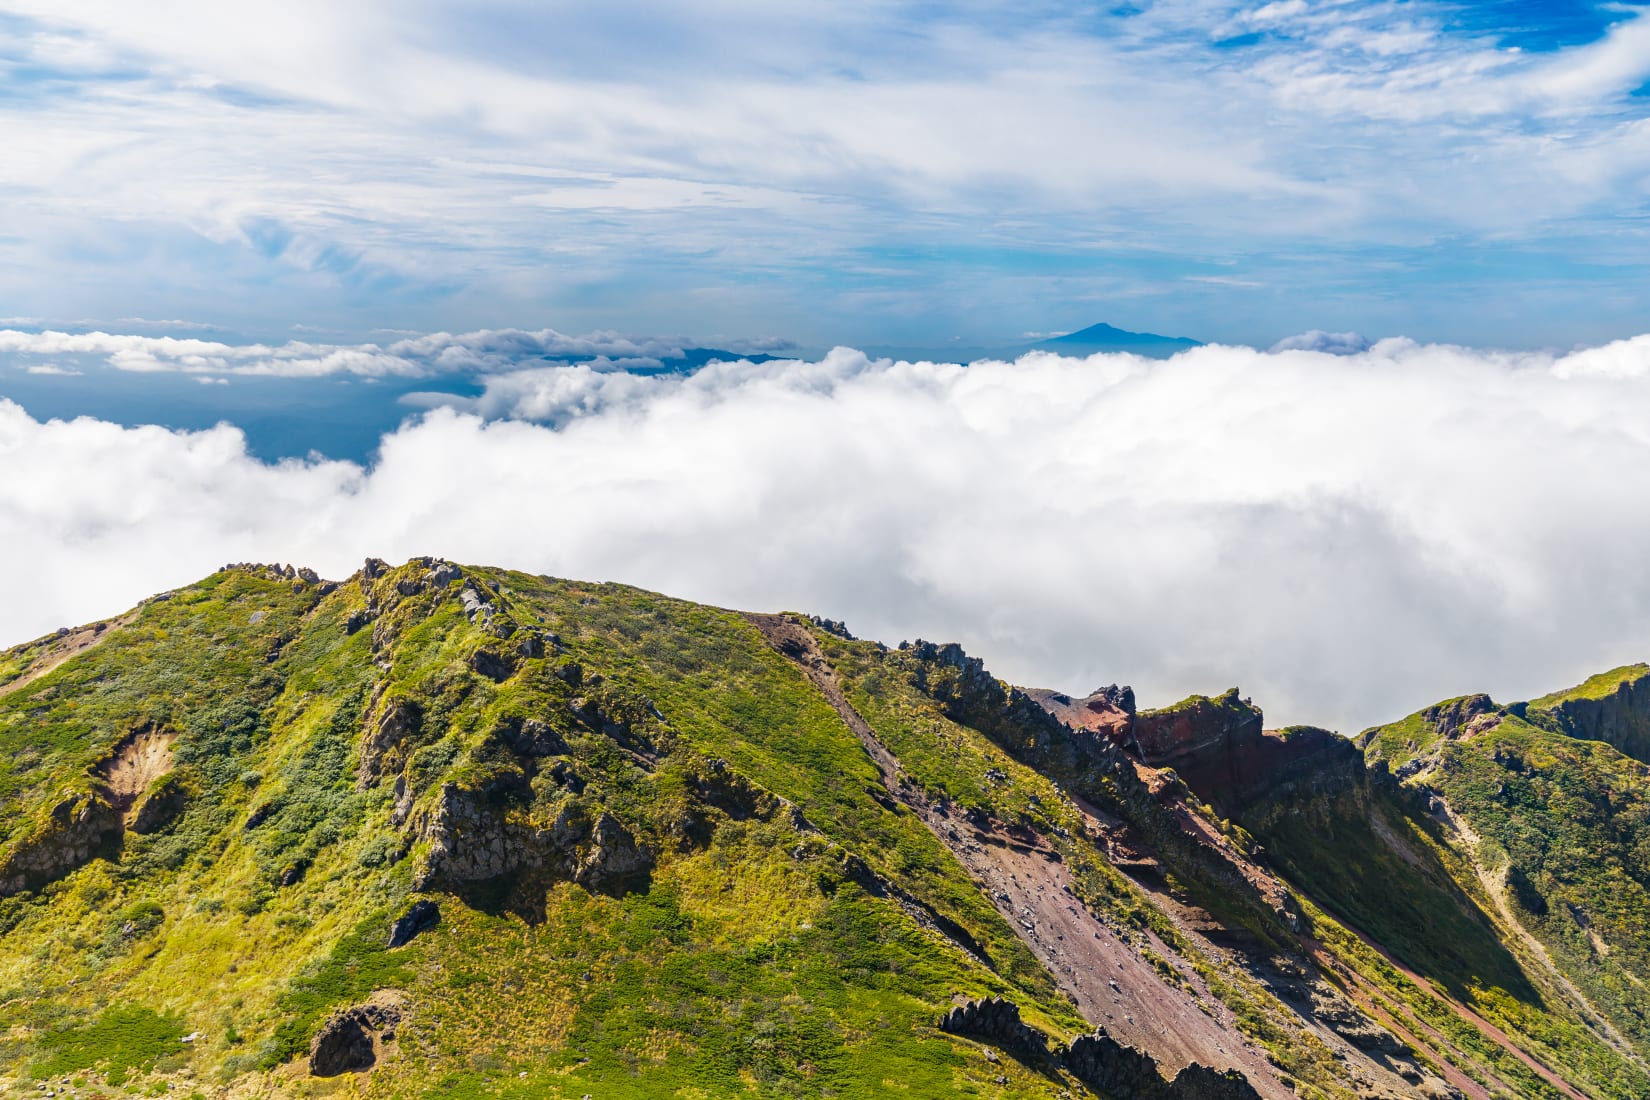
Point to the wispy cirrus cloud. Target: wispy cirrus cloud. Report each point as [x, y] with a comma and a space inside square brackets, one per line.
[739, 167]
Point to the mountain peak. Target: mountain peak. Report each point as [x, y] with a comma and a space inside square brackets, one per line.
[1103, 337]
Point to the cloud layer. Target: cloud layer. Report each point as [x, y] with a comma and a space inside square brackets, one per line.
[1347, 536]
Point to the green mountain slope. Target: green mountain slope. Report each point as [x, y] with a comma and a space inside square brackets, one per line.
[454, 831]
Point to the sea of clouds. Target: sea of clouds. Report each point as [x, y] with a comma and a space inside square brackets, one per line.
[1347, 536]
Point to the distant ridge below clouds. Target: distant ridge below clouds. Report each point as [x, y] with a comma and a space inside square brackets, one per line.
[438, 353]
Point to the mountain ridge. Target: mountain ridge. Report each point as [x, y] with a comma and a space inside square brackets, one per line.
[629, 845]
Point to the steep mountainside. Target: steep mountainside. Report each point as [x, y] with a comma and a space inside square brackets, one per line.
[454, 831]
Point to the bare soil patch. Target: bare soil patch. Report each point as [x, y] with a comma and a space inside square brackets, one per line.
[142, 757]
[63, 648]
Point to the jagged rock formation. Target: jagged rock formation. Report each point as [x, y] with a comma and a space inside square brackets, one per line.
[1108, 710]
[1216, 745]
[1119, 1070]
[998, 1021]
[1097, 1059]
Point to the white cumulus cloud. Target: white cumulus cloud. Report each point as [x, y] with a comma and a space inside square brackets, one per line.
[1347, 537]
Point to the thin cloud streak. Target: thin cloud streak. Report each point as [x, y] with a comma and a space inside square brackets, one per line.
[483, 351]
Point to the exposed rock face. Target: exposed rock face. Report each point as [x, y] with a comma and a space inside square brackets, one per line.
[1215, 745]
[1199, 1082]
[491, 664]
[1113, 1069]
[421, 916]
[132, 767]
[1208, 742]
[352, 1038]
[530, 737]
[276, 571]
[1301, 759]
[1356, 1028]
[832, 626]
[1621, 718]
[471, 839]
[1099, 769]
[78, 828]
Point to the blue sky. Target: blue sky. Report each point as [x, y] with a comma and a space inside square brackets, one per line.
[874, 173]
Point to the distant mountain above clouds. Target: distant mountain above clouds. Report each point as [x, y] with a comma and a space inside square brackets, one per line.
[1087, 341]
[1104, 337]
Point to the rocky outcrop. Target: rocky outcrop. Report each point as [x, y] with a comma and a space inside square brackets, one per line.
[78, 828]
[529, 737]
[352, 1039]
[1155, 806]
[613, 855]
[1303, 761]
[476, 835]
[472, 837]
[1215, 745]
[1112, 1068]
[998, 1022]
[491, 663]
[1342, 1017]
[1455, 718]
[392, 731]
[1200, 1082]
[1620, 718]
[276, 571]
